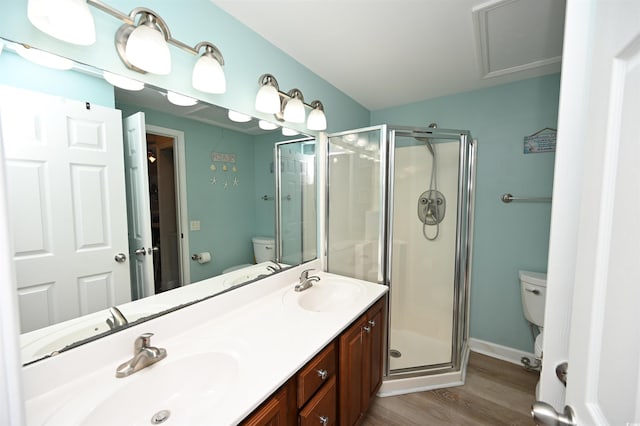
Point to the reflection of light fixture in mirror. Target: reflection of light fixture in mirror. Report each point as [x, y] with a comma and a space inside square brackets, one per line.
[123, 82]
[43, 58]
[66, 20]
[288, 132]
[317, 120]
[268, 98]
[238, 117]
[294, 108]
[362, 142]
[267, 125]
[145, 44]
[180, 100]
[208, 75]
[152, 158]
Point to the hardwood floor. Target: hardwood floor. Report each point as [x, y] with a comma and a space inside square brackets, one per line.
[495, 393]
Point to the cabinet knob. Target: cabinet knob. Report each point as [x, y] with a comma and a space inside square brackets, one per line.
[323, 374]
[324, 420]
[367, 329]
[372, 323]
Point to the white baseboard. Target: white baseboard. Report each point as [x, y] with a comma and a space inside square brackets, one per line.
[498, 351]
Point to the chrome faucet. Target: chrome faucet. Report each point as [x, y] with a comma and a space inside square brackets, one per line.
[306, 281]
[275, 267]
[117, 319]
[143, 356]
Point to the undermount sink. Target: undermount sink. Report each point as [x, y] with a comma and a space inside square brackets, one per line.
[185, 390]
[326, 295]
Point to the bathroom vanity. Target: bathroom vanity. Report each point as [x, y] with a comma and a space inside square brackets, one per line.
[263, 354]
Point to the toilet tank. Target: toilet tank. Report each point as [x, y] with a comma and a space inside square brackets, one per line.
[264, 249]
[533, 289]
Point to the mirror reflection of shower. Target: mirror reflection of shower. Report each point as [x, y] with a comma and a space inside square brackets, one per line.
[431, 203]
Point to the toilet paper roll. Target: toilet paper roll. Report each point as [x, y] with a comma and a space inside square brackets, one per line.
[204, 257]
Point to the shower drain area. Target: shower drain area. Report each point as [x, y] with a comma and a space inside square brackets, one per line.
[394, 353]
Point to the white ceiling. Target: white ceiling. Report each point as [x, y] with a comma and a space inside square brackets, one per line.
[386, 53]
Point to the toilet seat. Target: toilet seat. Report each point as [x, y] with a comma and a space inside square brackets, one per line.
[538, 345]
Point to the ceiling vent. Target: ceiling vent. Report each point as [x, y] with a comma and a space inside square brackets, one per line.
[515, 36]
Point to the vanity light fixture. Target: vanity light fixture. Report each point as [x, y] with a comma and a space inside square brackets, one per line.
[288, 132]
[43, 58]
[123, 82]
[289, 106]
[267, 125]
[180, 100]
[142, 42]
[317, 120]
[238, 117]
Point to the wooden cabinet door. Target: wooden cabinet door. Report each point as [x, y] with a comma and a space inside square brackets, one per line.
[350, 373]
[275, 412]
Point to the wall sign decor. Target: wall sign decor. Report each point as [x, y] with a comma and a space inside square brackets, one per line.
[541, 141]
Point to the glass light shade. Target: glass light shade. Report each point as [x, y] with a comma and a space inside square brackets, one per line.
[267, 125]
[148, 50]
[66, 20]
[268, 99]
[294, 111]
[288, 132]
[123, 82]
[208, 75]
[180, 100]
[45, 59]
[238, 117]
[317, 120]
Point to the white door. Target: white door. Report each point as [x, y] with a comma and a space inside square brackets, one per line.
[140, 241]
[593, 288]
[66, 205]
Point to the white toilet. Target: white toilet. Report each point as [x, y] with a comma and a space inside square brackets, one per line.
[533, 289]
[263, 250]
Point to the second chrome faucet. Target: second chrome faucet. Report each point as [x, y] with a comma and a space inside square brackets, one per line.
[143, 356]
[306, 281]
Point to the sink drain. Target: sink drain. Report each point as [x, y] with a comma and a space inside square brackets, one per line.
[160, 417]
[395, 353]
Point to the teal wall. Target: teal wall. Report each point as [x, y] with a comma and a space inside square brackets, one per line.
[17, 72]
[508, 237]
[247, 56]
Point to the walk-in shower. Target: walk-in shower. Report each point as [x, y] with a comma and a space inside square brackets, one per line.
[378, 179]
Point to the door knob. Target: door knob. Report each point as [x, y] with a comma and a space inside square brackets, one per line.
[141, 251]
[153, 249]
[545, 415]
[120, 257]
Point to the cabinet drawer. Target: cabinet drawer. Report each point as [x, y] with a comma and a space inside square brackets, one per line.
[321, 410]
[318, 371]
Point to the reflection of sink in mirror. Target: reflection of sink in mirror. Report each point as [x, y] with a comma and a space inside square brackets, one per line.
[326, 295]
[249, 273]
[35, 345]
[185, 389]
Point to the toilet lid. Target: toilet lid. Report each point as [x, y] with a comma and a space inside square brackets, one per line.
[538, 344]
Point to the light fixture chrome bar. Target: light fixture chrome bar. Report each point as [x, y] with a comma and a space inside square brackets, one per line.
[270, 79]
[130, 20]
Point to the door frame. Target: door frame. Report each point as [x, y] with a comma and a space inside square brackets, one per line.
[182, 213]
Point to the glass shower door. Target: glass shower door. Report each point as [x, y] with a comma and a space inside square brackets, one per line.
[355, 206]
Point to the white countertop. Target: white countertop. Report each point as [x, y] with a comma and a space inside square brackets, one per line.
[270, 340]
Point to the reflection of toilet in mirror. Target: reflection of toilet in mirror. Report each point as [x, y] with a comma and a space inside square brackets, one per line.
[533, 289]
[263, 251]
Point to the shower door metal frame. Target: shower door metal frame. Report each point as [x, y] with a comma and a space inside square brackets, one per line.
[462, 273]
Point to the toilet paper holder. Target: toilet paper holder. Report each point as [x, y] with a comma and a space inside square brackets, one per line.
[204, 257]
[196, 256]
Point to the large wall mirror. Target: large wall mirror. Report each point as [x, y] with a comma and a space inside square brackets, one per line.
[124, 205]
